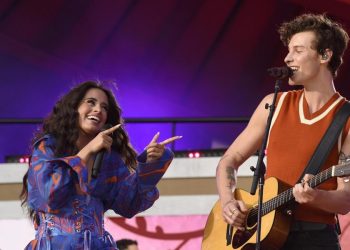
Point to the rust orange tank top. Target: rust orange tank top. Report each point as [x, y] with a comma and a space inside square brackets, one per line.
[294, 136]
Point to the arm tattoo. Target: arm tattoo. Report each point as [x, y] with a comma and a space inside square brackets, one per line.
[230, 171]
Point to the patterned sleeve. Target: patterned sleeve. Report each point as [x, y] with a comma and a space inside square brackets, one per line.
[50, 181]
[134, 193]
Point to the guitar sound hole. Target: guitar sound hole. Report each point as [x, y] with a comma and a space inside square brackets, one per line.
[252, 218]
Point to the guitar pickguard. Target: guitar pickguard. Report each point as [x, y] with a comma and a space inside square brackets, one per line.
[241, 237]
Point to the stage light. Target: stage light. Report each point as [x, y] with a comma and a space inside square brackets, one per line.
[17, 159]
[199, 153]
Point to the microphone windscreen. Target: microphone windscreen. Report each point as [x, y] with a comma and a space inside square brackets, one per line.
[280, 72]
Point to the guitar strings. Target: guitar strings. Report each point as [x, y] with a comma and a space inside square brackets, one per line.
[287, 195]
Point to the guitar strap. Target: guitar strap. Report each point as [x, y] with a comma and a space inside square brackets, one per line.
[328, 140]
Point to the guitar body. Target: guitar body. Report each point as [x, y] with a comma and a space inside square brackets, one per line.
[274, 225]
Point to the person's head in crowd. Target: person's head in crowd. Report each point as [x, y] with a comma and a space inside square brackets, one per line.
[127, 244]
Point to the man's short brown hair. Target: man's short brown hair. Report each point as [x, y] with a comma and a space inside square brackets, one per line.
[329, 35]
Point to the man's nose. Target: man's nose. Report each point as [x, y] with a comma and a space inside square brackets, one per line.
[288, 58]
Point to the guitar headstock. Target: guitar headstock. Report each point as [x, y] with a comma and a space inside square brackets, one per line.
[341, 170]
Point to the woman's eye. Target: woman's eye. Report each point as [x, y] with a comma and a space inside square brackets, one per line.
[91, 102]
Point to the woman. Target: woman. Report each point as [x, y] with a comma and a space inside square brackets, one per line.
[64, 201]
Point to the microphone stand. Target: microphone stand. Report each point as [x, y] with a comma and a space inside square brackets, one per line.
[260, 169]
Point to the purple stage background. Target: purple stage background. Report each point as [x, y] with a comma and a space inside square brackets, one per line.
[174, 58]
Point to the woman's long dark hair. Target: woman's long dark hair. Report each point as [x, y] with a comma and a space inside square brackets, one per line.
[63, 124]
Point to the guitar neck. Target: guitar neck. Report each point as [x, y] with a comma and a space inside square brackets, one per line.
[287, 195]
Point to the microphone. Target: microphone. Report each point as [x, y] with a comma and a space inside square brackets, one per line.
[99, 156]
[280, 72]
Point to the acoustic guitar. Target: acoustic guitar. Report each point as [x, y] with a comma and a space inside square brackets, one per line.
[275, 221]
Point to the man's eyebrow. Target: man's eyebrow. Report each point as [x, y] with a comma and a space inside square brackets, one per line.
[296, 47]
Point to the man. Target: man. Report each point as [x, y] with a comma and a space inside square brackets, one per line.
[127, 244]
[316, 46]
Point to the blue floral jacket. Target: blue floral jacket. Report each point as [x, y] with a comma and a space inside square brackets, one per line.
[70, 209]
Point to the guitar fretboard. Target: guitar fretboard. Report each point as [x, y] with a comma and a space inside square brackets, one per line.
[287, 195]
